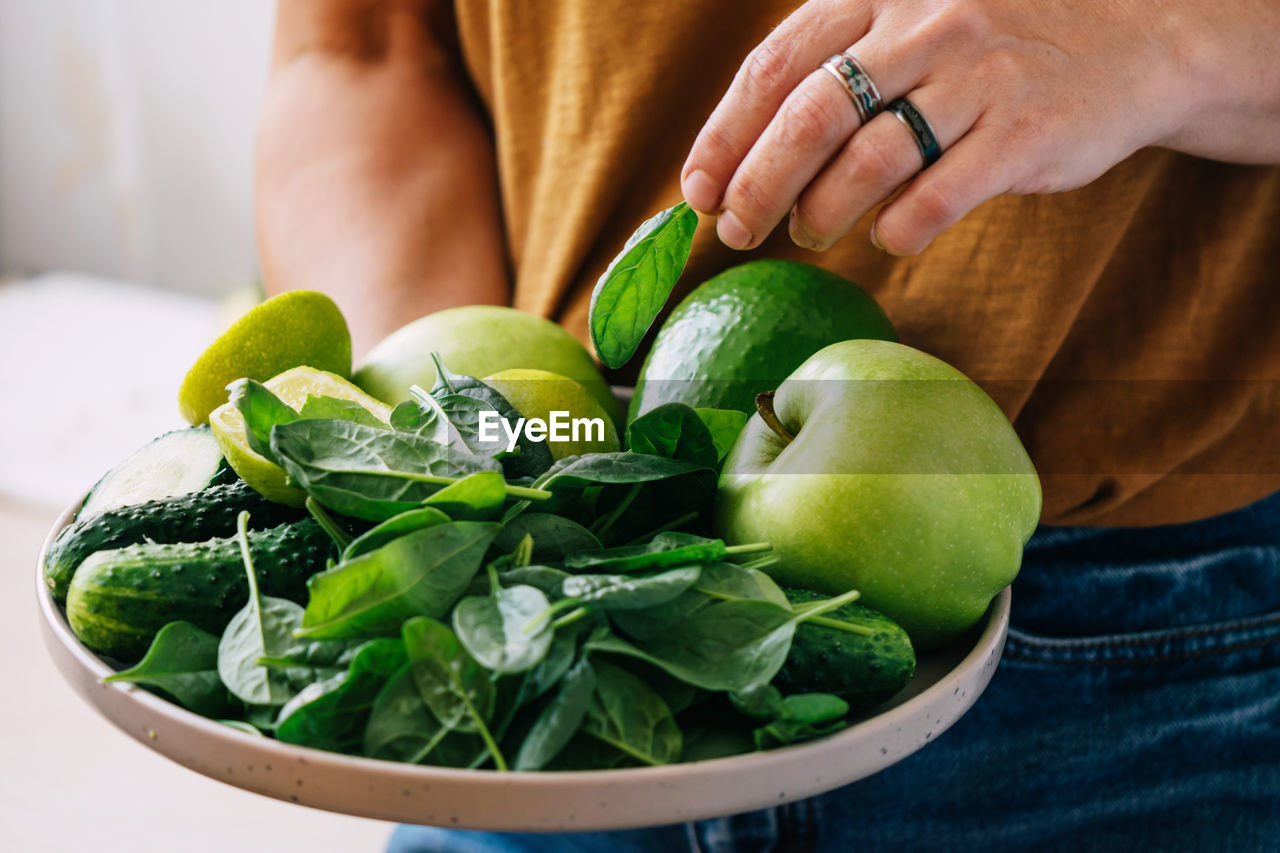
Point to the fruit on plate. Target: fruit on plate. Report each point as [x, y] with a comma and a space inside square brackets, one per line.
[477, 340]
[538, 393]
[879, 468]
[290, 329]
[745, 330]
[292, 387]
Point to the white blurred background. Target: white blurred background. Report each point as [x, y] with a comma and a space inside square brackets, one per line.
[126, 141]
[126, 138]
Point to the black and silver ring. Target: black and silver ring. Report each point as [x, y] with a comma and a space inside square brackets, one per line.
[855, 80]
[915, 121]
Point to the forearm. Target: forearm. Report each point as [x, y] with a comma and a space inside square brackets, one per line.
[376, 178]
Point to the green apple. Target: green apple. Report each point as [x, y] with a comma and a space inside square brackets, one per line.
[477, 340]
[879, 468]
[537, 393]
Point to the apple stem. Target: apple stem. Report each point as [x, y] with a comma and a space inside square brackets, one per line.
[764, 406]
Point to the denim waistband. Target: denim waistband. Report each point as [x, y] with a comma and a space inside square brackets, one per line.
[1089, 581]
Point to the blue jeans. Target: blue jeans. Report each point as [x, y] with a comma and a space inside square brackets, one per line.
[1137, 708]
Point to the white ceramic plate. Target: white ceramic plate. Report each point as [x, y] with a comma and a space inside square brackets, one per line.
[945, 685]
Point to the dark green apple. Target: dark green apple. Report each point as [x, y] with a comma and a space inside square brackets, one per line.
[879, 468]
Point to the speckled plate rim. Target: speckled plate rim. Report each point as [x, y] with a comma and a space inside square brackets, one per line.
[532, 801]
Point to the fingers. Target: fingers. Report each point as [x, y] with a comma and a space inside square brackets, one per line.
[940, 196]
[808, 129]
[772, 71]
[877, 160]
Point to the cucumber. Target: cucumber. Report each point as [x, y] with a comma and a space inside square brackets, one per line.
[186, 518]
[863, 670]
[176, 463]
[120, 599]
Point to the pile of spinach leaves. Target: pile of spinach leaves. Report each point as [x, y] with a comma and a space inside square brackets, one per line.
[502, 610]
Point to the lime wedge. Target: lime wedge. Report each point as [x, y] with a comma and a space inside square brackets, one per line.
[292, 387]
[288, 330]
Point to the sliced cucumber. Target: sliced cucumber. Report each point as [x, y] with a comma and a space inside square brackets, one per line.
[176, 463]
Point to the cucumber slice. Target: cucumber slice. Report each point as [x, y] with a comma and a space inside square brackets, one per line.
[176, 463]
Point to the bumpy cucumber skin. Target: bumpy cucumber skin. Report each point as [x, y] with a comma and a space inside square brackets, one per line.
[192, 517]
[862, 670]
[120, 599]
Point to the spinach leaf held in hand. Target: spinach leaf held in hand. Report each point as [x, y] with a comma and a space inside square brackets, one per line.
[183, 662]
[422, 573]
[632, 291]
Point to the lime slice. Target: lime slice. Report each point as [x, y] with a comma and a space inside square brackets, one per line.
[288, 330]
[292, 387]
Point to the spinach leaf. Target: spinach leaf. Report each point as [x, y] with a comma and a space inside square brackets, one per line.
[531, 457]
[718, 582]
[499, 629]
[365, 472]
[673, 430]
[334, 408]
[422, 573]
[629, 716]
[422, 416]
[262, 410]
[559, 657]
[728, 645]
[632, 291]
[183, 662]
[476, 497]
[402, 728]
[263, 628]
[559, 721]
[453, 685]
[626, 592]
[666, 549]
[332, 714]
[545, 578]
[577, 472]
[307, 661]
[554, 536]
[724, 425]
[801, 717]
[407, 522]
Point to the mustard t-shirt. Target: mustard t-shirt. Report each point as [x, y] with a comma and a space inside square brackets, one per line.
[1128, 328]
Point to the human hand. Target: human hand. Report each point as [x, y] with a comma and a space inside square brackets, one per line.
[1022, 97]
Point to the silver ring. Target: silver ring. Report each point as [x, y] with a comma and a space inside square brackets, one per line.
[857, 83]
[921, 130]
